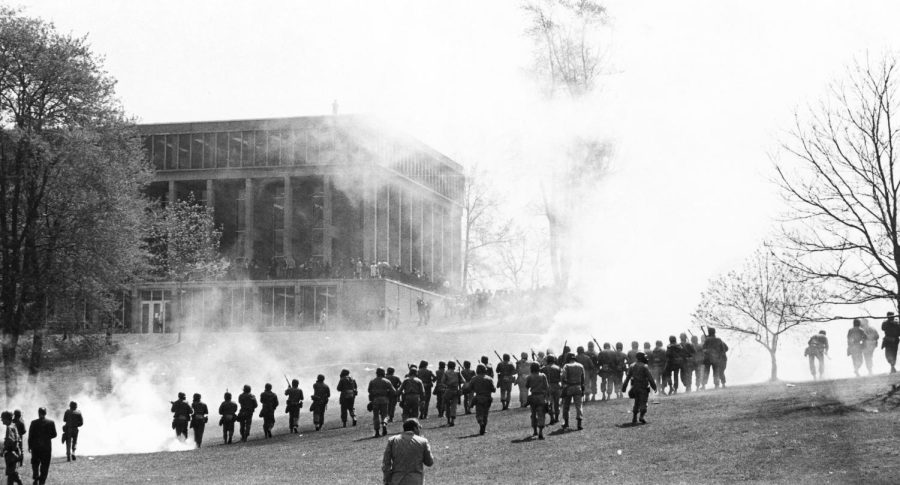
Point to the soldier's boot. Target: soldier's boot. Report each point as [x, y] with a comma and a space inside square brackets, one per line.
[541, 433]
[377, 434]
[642, 420]
[534, 431]
[565, 423]
[354, 420]
[634, 419]
[384, 429]
[579, 424]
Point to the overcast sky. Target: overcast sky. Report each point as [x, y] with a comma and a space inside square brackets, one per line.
[698, 96]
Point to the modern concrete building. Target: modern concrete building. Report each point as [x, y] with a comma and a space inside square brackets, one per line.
[304, 203]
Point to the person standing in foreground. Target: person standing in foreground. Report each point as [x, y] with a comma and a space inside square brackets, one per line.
[539, 390]
[573, 390]
[40, 444]
[199, 418]
[72, 420]
[891, 329]
[482, 387]
[641, 382]
[10, 448]
[404, 456]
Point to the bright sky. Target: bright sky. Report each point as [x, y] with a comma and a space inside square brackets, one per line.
[699, 95]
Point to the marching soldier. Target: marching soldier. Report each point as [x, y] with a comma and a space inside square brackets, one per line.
[856, 341]
[631, 357]
[392, 404]
[347, 391]
[505, 376]
[439, 388]
[269, 402]
[248, 404]
[606, 364]
[72, 421]
[591, 371]
[699, 359]
[716, 352]
[321, 393]
[889, 343]
[816, 348]
[380, 392]
[523, 370]
[657, 364]
[467, 374]
[539, 389]
[198, 418]
[181, 411]
[573, 379]
[294, 404]
[641, 382]
[489, 371]
[427, 378]
[554, 374]
[411, 392]
[228, 410]
[674, 361]
[482, 387]
[687, 363]
[451, 381]
[620, 365]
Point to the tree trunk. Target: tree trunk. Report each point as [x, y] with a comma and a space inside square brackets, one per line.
[37, 355]
[774, 376]
[10, 369]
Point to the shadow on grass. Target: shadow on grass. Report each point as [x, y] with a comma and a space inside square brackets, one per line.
[469, 436]
[369, 437]
[563, 431]
[630, 425]
[525, 440]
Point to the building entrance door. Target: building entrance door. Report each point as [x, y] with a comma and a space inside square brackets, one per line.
[153, 316]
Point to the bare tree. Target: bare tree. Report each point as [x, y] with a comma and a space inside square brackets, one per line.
[842, 180]
[519, 260]
[764, 300]
[483, 225]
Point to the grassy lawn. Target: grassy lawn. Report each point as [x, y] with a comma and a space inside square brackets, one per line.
[825, 432]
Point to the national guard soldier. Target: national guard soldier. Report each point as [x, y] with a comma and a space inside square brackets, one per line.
[606, 365]
[380, 392]
[641, 382]
[489, 371]
[816, 348]
[523, 370]
[294, 404]
[856, 342]
[482, 387]
[347, 391]
[181, 412]
[620, 365]
[687, 363]
[573, 379]
[198, 418]
[411, 392]
[467, 374]
[657, 364]
[439, 388]
[889, 343]
[554, 374]
[699, 359]
[228, 410]
[631, 356]
[10, 448]
[321, 393]
[591, 371]
[269, 402]
[539, 390]
[248, 404]
[506, 373]
[427, 377]
[716, 352]
[674, 360]
[452, 381]
[392, 404]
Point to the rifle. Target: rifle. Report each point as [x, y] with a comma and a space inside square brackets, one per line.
[596, 342]
[703, 331]
[459, 364]
[563, 349]
[498, 356]
[287, 380]
[533, 357]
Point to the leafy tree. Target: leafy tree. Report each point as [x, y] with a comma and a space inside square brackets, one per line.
[71, 171]
[764, 300]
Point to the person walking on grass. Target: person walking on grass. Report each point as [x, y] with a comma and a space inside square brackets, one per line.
[248, 404]
[406, 455]
[816, 349]
[228, 410]
[294, 404]
[641, 382]
[321, 393]
[482, 387]
[889, 343]
[539, 391]
[380, 391]
[199, 419]
[269, 402]
[10, 448]
[181, 416]
[572, 378]
[40, 444]
[347, 391]
[72, 421]
[856, 342]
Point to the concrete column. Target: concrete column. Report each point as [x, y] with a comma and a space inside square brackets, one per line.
[327, 228]
[249, 233]
[369, 208]
[171, 196]
[288, 211]
[210, 195]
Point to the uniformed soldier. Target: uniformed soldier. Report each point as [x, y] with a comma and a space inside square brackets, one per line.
[427, 378]
[606, 365]
[392, 404]
[891, 340]
[506, 374]
[347, 391]
[856, 342]
[591, 370]
[452, 381]
[321, 393]
[489, 371]
[699, 359]
[716, 352]
[294, 404]
[269, 402]
[482, 387]
[572, 377]
[631, 356]
[199, 419]
[657, 364]
[554, 374]
[72, 421]
[523, 370]
[181, 416]
[228, 410]
[816, 348]
[248, 404]
[687, 363]
[539, 391]
[467, 374]
[411, 392]
[620, 365]
[380, 392]
[674, 361]
[641, 382]
[439, 388]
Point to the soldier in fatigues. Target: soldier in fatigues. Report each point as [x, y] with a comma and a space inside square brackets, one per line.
[687, 363]
[321, 393]
[816, 348]
[573, 381]
[631, 357]
[347, 391]
[467, 374]
[606, 366]
[269, 402]
[506, 374]
[392, 405]
[699, 359]
[181, 416]
[591, 370]
[228, 410]
[489, 371]
[199, 419]
[523, 370]
[539, 391]
[248, 404]
[716, 352]
[889, 343]
[620, 365]
[72, 421]
[856, 342]
[439, 388]
[294, 404]
[641, 382]
[427, 377]
[554, 375]
[452, 382]
[482, 387]
[657, 364]
[380, 392]
[411, 392]
[674, 361]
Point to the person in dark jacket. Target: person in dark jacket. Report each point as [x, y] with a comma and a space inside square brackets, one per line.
[72, 422]
[181, 416]
[321, 393]
[380, 391]
[269, 402]
[482, 387]
[347, 391]
[199, 419]
[40, 444]
[641, 382]
[228, 410]
[294, 404]
[657, 364]
[716, 353]
[889, 343]
[248, 404]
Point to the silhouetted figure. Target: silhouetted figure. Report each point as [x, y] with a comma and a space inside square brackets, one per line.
[506, 373]
[11, 448]
[856, 343]
[321, 393]
[380, 391]
[891, 329]
[269, 402]
[248, 404]
[716, 352]
[72, 422]
[554, 375]
[573, 390]
[199, 418]
[294, 404]
[641, 382]
[40, 444]
[181, 416]
[347, 391]
[816, 348]
[427, 377]
[228, 410]
[539, 390]
[411, 392]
